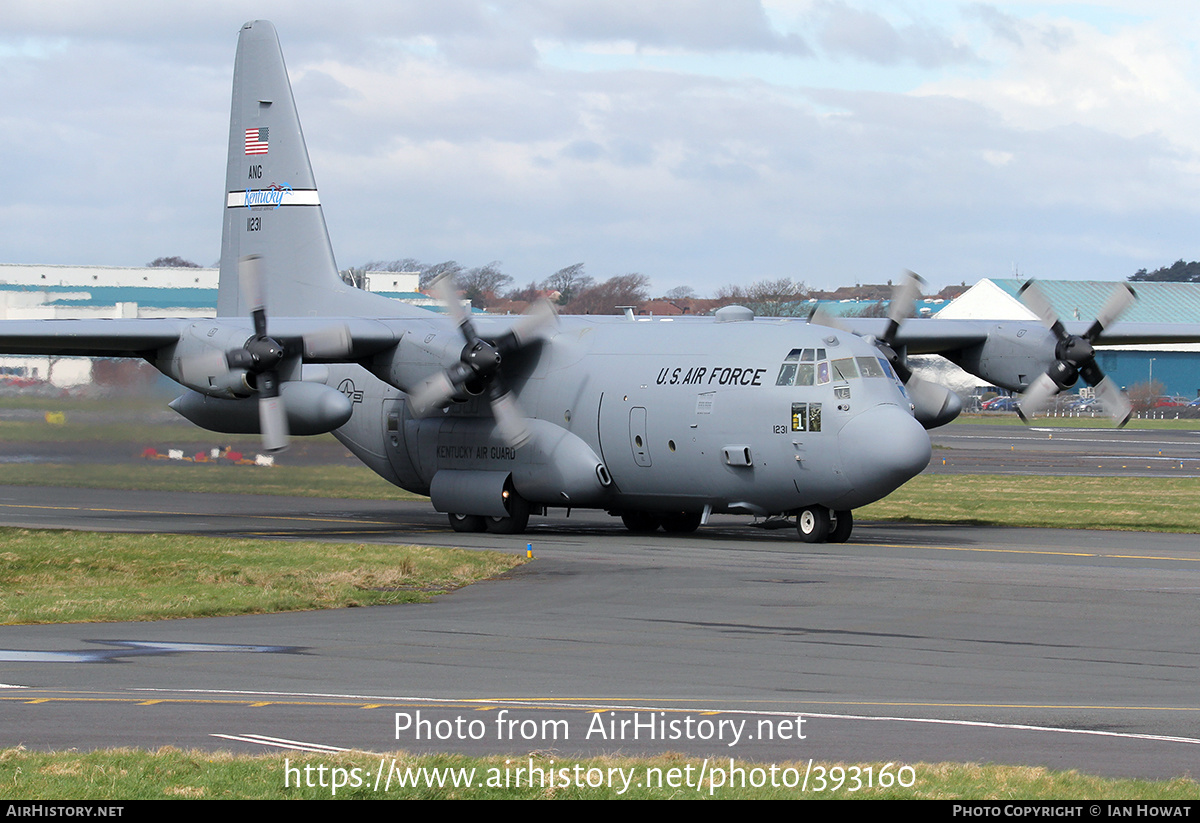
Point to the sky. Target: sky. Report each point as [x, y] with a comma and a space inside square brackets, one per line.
[699, 142]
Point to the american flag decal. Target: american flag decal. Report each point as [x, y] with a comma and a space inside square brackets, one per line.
[256, 141]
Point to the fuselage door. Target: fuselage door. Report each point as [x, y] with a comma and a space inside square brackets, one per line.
[637, 436]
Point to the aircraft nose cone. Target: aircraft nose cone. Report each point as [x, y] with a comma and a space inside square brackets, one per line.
[882, 448]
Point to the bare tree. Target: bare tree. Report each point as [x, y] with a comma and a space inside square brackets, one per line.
[623, 290]
[431, 273]
[526, 295]
[482, 285]
[767, 298]
[172, 263]
[680, 293]
[569, 282]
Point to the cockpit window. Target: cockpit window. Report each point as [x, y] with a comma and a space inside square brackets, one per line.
[869, 367]
[804, 367]
[844, 369]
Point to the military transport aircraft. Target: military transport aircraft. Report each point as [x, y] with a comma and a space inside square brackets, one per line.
[660, 421]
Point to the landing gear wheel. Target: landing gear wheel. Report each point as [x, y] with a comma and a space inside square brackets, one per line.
[681, 522]
[467, 522]
[843, 524]
[641, 522]
[517, 520]
[812, 524]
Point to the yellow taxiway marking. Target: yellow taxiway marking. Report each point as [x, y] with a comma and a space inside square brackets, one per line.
[587, 705]
[1047, 552]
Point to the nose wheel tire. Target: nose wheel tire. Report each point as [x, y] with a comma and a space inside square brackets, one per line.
[843, 524]
[467, 523]
[812, 524]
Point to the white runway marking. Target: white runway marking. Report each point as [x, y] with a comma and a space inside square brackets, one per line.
[281, 743]
[566, 704]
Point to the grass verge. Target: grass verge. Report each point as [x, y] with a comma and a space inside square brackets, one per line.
[126, 774]
[67, 577]
[1101, 422]
[1123, 503]
[347, 482]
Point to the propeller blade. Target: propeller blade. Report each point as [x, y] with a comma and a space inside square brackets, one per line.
[903, 303]
[332, 343]
[250, 277]
[510, 420]
[272, 419]
[443, 289]
[1116, 405]
[1121, 299]
[1037, 397]
[434, 393]
[1037, 303]
[537, 319]
[823, 318]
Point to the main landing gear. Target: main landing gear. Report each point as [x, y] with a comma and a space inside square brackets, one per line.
[817, 524]
[671, 522]
[515, 523]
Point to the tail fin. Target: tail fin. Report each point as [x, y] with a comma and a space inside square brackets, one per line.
[271, 204]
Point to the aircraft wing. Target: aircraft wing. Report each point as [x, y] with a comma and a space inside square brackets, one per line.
[1128, 334]
[925, 335]
[146, 337]
[90, 338]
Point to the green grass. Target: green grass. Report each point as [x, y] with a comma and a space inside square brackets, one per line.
[1127, 503]
[349, 482]
[137, 401]
[63, 577]
[75, 430]
[126, 774]
[1101, 422]
[1124, 503]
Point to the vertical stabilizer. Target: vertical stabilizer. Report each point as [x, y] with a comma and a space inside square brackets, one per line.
[272, 208]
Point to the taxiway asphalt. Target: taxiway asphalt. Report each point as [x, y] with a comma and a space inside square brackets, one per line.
[1069, 649]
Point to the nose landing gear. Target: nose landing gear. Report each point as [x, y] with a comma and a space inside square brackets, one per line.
[817, 524]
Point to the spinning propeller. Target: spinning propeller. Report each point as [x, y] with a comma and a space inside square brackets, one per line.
[1075, 356]
[479, 363]
[933, 404]
[261, 356]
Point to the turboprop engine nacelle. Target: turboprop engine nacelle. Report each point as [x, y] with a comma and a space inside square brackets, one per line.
[933, 404]
[1011, 357]
[198, 360]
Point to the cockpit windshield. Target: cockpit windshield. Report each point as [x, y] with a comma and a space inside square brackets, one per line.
[810, 367]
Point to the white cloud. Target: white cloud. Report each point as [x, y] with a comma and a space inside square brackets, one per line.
[838, 141]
